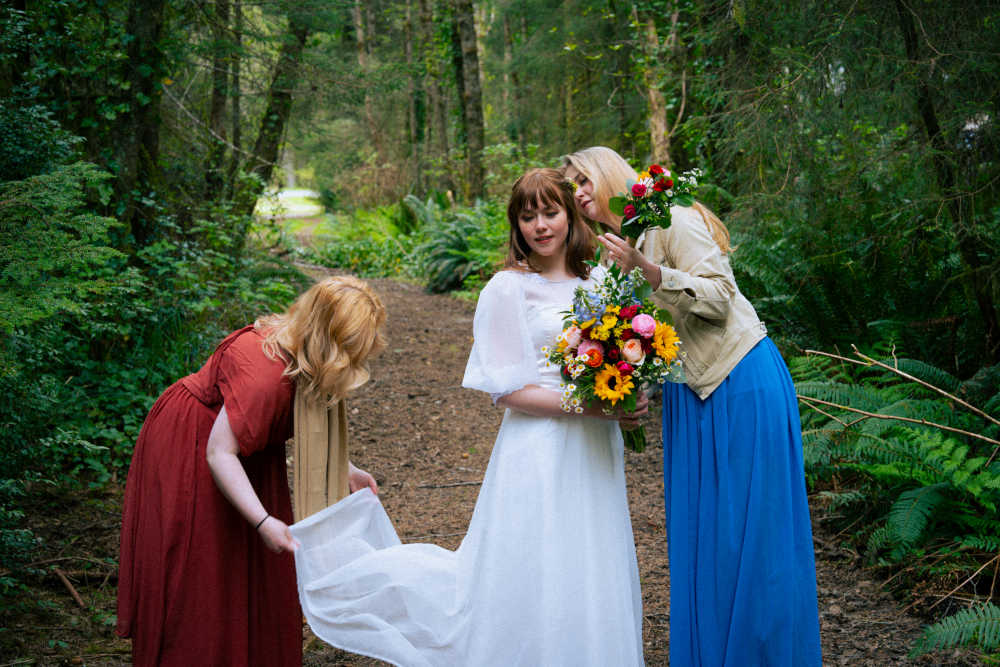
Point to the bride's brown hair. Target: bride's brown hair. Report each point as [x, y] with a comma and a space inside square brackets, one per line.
[539, 188]
[327, 336]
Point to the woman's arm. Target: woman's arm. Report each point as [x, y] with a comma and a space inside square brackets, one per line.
[221, 453]
[541, 402]
[697, 280]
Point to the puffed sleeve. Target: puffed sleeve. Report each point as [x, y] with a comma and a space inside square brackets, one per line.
[257, 397]
[694, 273]
[503, 358]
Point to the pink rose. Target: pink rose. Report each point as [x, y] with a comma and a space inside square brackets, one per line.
[572, 336]
[632, 352]
[586, 346]
[624, 368]
[644, 325]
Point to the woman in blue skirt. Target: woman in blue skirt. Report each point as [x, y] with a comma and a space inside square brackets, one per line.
[742, 570]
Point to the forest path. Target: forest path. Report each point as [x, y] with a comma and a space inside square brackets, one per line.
[428, 441]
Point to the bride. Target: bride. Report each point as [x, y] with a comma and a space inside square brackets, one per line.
[547, 573]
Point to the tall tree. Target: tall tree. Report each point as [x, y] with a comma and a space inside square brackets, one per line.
[139, 138]
[222, 51]
[279, 102]
[472, 96]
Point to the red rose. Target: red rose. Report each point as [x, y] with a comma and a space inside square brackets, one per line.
[647, 345]
[660, 185]
[629, 211]
[638, 189]
[613, 353]
[624, 368]
[628, 312]
[670, 182]
[627, 334]
[656, 170]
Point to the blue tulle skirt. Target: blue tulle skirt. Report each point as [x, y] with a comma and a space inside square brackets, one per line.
[742, 570]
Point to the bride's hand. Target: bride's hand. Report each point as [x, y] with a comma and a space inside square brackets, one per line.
[628, 420]
[359, 479]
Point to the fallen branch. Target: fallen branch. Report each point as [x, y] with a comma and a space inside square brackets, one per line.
[69, 587]
[48, 561]
[447, 486]
[868, 361]
[433, 536]
[808, 400]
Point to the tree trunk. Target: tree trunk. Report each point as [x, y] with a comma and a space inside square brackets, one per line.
[221, 50]
[279, 106]
[139, 141]
[659, 139]
[969, 246]
[472, 96]
[235, 93]
[363, 50]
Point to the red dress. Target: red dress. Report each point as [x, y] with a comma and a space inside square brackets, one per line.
[196, 585]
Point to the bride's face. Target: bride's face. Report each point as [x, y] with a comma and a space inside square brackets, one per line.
[545, 228]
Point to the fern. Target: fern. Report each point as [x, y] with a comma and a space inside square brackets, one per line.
[910, 514]
[979, 625]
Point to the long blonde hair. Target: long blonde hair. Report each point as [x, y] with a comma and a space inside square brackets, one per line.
[327, 336]
[610, 174]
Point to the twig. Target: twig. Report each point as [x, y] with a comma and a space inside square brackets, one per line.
[876, 415]
[47, 561]
[69, 587]
[928, 385]
[446, 486]
[434, 535]
[971, 577]
[868, 361]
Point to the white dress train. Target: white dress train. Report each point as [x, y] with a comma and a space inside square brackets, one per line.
[547, 573]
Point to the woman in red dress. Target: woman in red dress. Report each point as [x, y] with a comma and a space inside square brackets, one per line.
[206, 576]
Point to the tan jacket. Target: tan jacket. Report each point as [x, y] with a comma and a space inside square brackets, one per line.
[715, 322]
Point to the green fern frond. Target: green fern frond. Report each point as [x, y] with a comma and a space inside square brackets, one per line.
[909, 515]
[978, 625]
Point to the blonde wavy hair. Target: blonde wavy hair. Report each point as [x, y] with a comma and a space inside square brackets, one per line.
[327, 336]
[610, 174]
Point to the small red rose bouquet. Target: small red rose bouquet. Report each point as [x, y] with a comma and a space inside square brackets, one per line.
[614, 342]
[648, 201]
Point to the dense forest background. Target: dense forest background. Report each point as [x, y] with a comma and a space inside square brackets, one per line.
[852, 147]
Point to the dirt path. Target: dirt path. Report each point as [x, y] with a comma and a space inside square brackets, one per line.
[428, 442]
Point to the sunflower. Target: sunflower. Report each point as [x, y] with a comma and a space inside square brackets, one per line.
[665, 342]
[611, 386]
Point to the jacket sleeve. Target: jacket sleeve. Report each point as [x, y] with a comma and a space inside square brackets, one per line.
[694, 273]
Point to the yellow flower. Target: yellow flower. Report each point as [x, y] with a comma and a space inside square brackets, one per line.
[611, 386]
[588, 323]
[665, 342]
[604, 330]
[613, 309]
[644, 175]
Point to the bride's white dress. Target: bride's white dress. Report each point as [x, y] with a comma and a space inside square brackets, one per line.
[546, 574]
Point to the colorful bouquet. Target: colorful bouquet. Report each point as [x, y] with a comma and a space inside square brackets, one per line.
[614, 343]
[648, 201]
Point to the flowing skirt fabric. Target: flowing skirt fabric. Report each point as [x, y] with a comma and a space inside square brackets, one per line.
[742, 569]
[546, 574]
